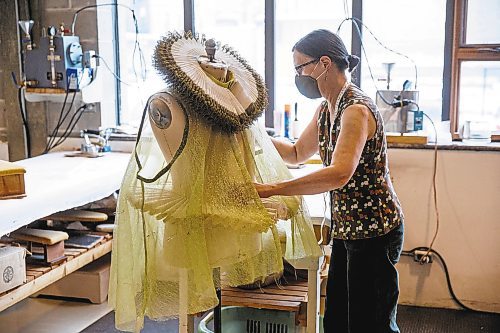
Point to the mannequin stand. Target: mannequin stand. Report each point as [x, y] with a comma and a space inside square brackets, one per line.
[186, 322]
[217, 314]
[218, 308]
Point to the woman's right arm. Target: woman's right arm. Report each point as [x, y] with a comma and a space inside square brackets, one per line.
[305, 147]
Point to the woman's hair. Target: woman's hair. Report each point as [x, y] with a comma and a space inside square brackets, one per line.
[322, 42]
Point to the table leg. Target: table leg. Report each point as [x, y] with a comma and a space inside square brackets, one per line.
[313, 301]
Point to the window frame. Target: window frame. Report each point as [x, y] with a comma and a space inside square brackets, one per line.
[455, 52]
[461, 51]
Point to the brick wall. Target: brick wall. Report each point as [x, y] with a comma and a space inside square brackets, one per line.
[42, 116]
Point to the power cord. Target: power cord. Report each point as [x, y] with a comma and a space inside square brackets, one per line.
[411, 253]
[23, 113]
[24, 120]
[71, 126]
[62, 117]
[137, 47]
[428, 250]
[425, 257]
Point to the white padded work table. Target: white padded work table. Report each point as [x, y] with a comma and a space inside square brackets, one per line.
[55, 183]
[315, 203]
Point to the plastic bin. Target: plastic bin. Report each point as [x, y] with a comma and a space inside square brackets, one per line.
[249, 320]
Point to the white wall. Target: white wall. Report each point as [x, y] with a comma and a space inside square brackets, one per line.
[469, 233]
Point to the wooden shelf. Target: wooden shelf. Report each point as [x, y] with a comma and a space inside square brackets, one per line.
[407, 139]
[39, 277]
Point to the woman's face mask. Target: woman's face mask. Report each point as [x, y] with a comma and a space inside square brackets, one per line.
[307, 85]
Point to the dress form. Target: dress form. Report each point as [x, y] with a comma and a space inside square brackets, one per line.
[221, 74]
[168, 121]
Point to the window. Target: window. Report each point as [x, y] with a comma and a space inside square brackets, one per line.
[454, 44]
[419, 36]
[155, 18]
[294, 19]
[475, 79]
[238, 23]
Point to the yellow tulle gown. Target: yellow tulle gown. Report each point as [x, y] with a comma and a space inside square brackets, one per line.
[177, 222]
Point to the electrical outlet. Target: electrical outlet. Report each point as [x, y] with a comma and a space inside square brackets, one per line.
[421, 257]
[89, 107]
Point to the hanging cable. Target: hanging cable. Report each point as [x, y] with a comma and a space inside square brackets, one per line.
[71, 126]
[60, 120]
[355, 21]
[111, 71]
[137, 46]
[22, 110]
[346, 9]
[434, 186]
[366, 58]
[24, 120]
[62, 117]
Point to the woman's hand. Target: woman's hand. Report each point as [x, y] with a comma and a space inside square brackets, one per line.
[264, 190]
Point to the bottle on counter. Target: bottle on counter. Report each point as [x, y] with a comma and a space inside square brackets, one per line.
[287, 121]
[295, 127]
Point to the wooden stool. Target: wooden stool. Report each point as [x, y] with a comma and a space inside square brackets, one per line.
[51, 241]
[77, 215]
[290, 296]
[79, 238]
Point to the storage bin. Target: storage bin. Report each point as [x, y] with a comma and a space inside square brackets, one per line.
[12, 267]
[249, 320]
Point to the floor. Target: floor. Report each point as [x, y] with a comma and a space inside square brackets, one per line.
[410, 319]
[39, 315]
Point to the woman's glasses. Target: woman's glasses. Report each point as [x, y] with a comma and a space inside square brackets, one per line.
[298, 68]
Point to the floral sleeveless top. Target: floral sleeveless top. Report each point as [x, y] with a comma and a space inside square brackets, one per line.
[367, 206]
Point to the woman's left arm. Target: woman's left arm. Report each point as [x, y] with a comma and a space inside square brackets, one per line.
[352, 138]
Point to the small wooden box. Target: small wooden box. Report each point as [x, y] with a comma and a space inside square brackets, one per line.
[11, 180]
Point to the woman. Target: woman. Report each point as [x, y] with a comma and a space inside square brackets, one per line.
[367, 220]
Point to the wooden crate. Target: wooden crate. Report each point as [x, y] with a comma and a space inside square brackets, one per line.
[11, 180]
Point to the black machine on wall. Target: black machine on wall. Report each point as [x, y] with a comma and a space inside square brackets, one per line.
[50, 70]
[58, 63]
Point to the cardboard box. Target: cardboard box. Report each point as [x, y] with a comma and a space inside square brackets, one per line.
[89, 282]
[12, 267]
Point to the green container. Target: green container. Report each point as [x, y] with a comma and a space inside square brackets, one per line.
[249, 320]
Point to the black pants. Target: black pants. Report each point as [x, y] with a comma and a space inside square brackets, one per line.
[363, 289]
